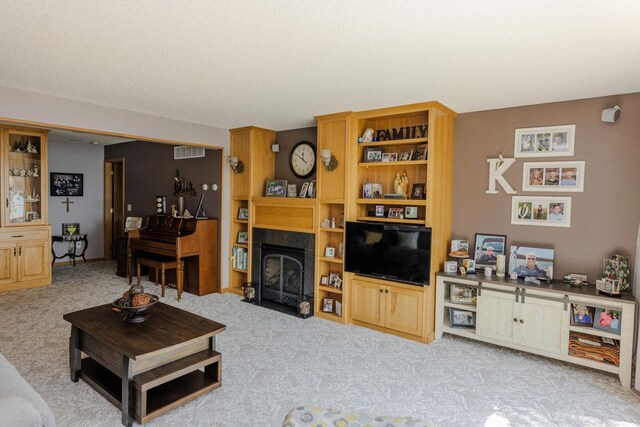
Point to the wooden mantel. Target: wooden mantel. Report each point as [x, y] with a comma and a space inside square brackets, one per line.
[287, 214]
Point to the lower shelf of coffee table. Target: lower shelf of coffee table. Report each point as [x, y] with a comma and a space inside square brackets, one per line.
[156, 400]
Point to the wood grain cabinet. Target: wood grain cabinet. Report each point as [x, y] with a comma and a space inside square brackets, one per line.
[387, 307]
[25, 236]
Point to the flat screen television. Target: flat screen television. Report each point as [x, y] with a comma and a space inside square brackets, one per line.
[395, 252]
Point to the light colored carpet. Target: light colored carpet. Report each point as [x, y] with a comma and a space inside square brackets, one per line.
[272, 362]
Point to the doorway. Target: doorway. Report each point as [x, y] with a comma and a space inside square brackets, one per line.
[114, 209]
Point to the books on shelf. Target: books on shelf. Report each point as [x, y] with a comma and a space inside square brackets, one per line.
[239, 258]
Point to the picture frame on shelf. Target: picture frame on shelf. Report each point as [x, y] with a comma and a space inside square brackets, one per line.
[367, 191]
[243, 213]
[243, 237]
[541, 211]
[329, 252]
[371, 154]
[420, 152]
[531, 262]
[462, 318]
[338, 308]
[417, 191]
[463, 294]
[411, 212]
[335, 280]
[553, 176]
[66, 184]
[292, 190]
[376, 190]
[395, 213]
[607, 320]
[327, 305]
[487, 248]
[303, 190]
[405, 156]
[324, 280]
[548, 141]
[389, 157]
[69, 229]
[380, 211]
[582, 315]
[276, 188]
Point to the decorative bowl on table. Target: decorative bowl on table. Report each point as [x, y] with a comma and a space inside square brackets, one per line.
[134, 303]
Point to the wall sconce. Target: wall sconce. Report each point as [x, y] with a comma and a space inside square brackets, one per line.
[329, 161]
[610, 115]
[236, 165]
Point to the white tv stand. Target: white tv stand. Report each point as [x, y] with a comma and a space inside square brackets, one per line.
[535, 319]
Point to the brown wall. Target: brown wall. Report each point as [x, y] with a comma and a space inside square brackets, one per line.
[605, 216]
[287, 140]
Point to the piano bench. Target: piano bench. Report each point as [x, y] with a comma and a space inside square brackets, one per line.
[162, 265]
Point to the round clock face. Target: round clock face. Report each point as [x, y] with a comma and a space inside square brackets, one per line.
[303, 159]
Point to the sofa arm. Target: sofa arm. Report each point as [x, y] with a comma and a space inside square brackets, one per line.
[16, 411]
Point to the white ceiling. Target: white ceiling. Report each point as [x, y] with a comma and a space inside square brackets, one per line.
[277, 63]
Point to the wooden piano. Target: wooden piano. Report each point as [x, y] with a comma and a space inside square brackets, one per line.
[192, 242]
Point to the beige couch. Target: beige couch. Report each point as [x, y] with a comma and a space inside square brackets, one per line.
[312, 416]
[20, 405]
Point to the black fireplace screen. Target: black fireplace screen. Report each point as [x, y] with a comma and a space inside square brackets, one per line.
[282, 275]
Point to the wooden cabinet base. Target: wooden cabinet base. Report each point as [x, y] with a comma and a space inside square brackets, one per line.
[425, 340]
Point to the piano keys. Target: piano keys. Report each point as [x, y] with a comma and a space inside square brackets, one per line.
[192, 242]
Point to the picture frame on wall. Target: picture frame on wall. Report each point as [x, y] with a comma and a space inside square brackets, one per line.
[548, 141]
[66, 184]
[553, 176]
[541, 211]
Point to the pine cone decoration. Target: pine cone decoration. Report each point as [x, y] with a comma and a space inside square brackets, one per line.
[140, 300]
[125, 295]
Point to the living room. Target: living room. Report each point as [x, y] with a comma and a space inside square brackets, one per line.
[274, 362]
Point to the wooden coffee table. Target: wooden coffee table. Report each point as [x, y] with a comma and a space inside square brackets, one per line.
[148, 368]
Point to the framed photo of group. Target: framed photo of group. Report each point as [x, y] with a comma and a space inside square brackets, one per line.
[541, 211]
[549, 141]
[553, 176]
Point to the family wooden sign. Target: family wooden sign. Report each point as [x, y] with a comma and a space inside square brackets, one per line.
[406, 132]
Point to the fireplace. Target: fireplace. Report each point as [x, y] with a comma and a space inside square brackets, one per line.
[282, 268]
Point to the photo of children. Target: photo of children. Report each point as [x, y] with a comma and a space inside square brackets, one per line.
[552, 176]
[536, 176]
[544, 141]
[540, 212]
[569, 177]
[559, 142]
[556, 212]
[526, 143]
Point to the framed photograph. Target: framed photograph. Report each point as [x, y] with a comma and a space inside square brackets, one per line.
[311, 191]
[380, 211]
[607, 320]
[389, 157]
[420, 152]
[329, 252]
[487, 248]
[66, 184]
[462, 294]
[243, 213]
[335, 280]
[372, 154]
[324, 280]
[276, 188]
[582, 315]
[553, 176]
[406, 155]
[395, 213]
[376, 190]
[243, 237]
[549, 141]
[417, 191]
[531, 262]
[541, 211]
[292, 190]
[411, 212]
[70, 228]
[463, 318]
[367, 191]
[304, 189]
[459, 248]
[327, 305]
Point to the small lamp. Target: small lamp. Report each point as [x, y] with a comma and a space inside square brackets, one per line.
[329, 161]
[236, 165]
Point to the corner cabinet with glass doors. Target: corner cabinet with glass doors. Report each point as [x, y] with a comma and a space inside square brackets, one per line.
[25, 235]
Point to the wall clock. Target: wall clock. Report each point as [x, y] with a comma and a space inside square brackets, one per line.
[302, 159]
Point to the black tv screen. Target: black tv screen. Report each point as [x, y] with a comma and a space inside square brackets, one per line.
[390, 251]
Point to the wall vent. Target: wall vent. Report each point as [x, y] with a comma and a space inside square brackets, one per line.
[184, 152]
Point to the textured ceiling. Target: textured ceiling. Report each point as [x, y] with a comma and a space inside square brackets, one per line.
[278, 63]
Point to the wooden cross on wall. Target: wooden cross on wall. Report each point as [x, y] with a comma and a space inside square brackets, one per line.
[67, 202]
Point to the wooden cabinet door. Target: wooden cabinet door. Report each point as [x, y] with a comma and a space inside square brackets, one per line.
[33, 260]
[8, 263]
[404, 310]
[495, 315]
[541, 324]
[367, 302]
